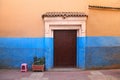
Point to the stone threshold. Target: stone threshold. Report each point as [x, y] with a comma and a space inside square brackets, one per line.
[64, 70]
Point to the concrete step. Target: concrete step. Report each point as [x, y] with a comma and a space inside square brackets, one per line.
[64, 69]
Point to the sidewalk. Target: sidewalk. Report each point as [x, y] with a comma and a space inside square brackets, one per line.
[12, 74]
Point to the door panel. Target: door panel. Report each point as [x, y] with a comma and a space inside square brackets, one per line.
[65, 48]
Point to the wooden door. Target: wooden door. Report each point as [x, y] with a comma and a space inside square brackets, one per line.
[65, 48]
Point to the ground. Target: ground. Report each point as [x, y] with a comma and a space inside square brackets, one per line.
[13, 74]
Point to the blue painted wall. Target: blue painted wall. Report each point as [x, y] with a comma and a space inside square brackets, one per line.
[102, 41]
[92, 52]
[81, 52]
[102, 52]
[102, 57]
[49, 53]
[14, 51]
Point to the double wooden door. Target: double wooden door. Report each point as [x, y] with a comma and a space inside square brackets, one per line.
[65, 48]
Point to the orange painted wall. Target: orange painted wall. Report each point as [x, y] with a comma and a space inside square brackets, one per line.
[113, 3]
[22, 18]
[102, 22]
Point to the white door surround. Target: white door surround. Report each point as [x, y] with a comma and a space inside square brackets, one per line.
[70, 23]
[64, 21]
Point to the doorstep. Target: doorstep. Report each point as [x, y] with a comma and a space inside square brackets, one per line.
[64, 70]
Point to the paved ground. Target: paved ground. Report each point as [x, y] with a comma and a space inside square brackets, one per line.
[7, 74]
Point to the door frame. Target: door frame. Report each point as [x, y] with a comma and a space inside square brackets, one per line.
[70, 23]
